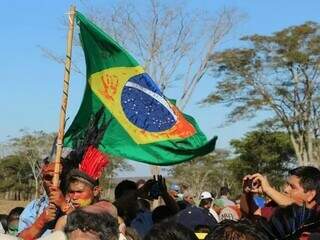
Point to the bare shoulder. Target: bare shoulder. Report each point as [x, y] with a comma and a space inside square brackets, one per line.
[62, 221]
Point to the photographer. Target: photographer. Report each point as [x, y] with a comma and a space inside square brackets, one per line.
[127, 195]
[302, 188]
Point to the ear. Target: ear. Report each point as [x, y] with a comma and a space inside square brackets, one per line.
[311, 195]
[96, 191]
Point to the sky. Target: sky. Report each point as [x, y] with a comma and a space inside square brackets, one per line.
[31, 84]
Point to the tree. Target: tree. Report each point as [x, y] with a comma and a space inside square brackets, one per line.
[269, 153]
[165, 37]
[278, 74]
[171, 42]
[207, 173]
[33, 148]
[16, 176]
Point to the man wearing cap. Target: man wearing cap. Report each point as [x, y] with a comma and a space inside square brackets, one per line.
[206, 201]
[193, 217]
[175, 191]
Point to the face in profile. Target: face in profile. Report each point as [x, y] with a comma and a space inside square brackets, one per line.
[294, 190]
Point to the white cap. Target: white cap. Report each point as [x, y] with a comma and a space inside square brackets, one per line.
[205, 195]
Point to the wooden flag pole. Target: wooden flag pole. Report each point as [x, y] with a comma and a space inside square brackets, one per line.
[64, 97]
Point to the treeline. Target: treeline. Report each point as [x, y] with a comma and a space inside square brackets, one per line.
[20, 166]
[266, 152]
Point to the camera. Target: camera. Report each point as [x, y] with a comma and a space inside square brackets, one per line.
[155, 192]
[248, 183]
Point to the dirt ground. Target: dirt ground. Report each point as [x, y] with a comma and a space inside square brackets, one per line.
[6, 205]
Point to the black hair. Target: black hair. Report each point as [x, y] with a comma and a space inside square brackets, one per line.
[14, 214]
[140, 182]
[309, 179]
[4, 221]
[127, 206]
[224, 191]
[241, 230]
[123, 187]
[103, 224]
[182, 204]
[205, 202]
[170, 231]
[161, 213]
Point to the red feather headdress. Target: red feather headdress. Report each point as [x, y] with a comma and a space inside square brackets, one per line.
[86, 162]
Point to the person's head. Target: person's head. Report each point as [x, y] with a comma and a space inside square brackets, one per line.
[47, 173]
[81, 192]
[140, 183]
[161, 213]
[194, 216]
[205, 203]
[126, 200]
[170, 231]
[241, 230]
[82, 225]
[102, 206]
[124, 187]
[175, 191]
[205, 200]
[217, 205]
[303, 185]
[224, 191]
[188, 197]
[13, 220]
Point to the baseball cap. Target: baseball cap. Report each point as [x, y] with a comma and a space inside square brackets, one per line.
[175, 187]
[218, 202]
[194, 216]
[205, 195]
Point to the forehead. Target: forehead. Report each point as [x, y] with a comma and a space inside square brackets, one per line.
[294, 180]
[78, 186]
[80, 235]
[48, 174]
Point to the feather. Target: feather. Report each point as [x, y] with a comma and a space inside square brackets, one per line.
[86, 140]
[93, 163]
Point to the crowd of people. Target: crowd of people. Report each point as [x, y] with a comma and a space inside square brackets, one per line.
[150, 210]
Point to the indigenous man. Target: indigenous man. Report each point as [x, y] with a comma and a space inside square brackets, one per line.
[38, 216]
[302, 188]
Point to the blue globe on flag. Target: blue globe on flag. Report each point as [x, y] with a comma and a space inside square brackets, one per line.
[145, 106]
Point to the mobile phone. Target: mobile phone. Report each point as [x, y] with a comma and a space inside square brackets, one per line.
[155, 191]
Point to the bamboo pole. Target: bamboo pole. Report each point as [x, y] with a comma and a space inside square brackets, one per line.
[64, 97]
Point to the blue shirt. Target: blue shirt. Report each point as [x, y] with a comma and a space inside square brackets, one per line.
[32, 211]
[142, 223]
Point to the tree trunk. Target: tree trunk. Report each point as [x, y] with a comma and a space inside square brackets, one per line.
[37, 188]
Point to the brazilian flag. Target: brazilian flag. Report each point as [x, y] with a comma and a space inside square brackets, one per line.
[146, 126]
